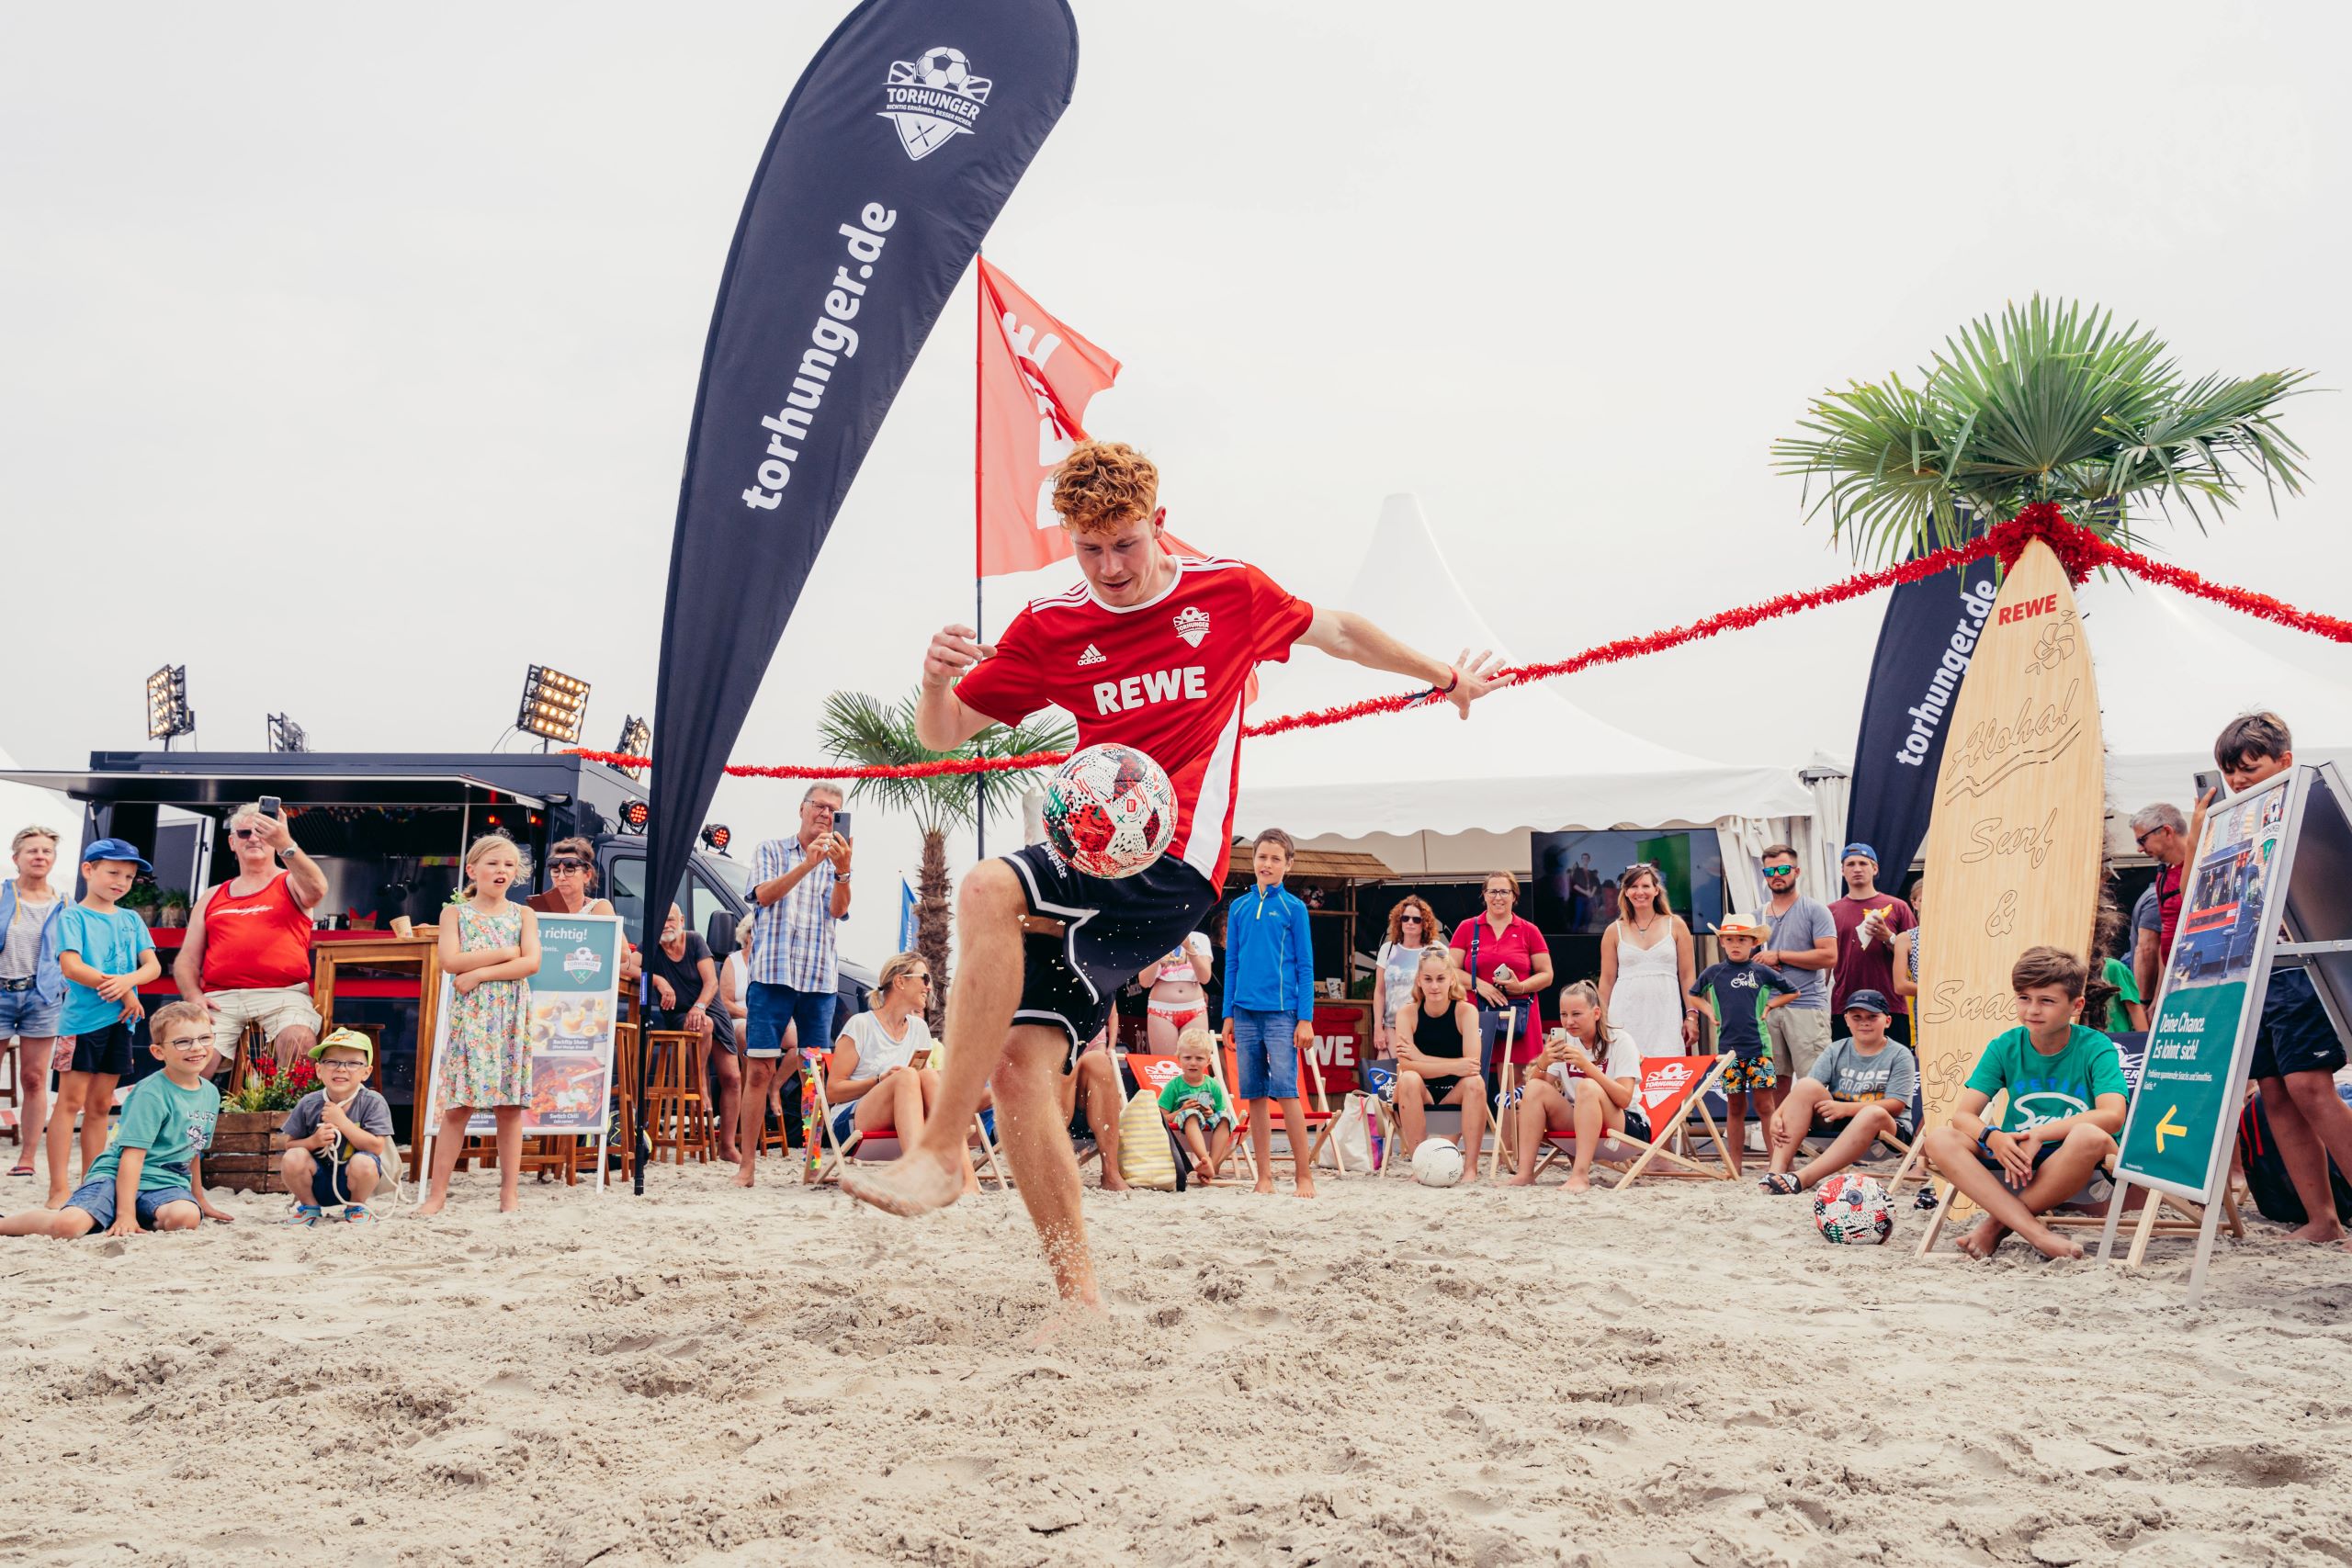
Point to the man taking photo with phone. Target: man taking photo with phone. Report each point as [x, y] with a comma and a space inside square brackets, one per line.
[801, 884]
[246, 958]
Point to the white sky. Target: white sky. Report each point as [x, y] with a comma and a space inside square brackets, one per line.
[346, 355]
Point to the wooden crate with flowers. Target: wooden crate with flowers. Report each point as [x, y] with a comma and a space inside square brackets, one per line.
[249, 1141]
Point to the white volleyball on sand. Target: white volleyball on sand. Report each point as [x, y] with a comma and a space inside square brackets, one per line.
[1437, 1163]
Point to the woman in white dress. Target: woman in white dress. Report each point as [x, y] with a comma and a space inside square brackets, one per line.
[1646, 967]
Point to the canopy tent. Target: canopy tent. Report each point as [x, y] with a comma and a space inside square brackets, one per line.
[1431, 795]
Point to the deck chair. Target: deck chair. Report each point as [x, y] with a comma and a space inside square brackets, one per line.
[1445, 1121]
[875, 1148]
[2086, 1209]
[1672, 1090]
[1151, 1074]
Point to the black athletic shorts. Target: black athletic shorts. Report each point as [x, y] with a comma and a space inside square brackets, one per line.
[2295, 1036]
[1111, 927]
[105, 1051]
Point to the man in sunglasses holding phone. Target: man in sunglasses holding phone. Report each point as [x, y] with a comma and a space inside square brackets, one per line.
[1801, 950]
[246, 958]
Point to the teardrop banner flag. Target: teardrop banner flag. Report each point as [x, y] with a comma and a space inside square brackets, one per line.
[895, 153]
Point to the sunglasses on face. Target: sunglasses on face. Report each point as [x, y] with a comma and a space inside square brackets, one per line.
[1780, 870]
[246, 832]
[1409, 920]
[564, 865]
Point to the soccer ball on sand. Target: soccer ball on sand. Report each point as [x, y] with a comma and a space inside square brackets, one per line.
[1437, 1163]
[1110, 811]
[942, 68]
[1854, 1210]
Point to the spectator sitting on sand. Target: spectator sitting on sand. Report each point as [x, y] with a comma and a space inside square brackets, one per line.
[2065, 1108]
[1857, 1092]
[338, 1135]
[1437, 1034]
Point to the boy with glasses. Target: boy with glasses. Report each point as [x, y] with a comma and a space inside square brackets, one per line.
[338, 1135]
[246, 957]
[1801, 947]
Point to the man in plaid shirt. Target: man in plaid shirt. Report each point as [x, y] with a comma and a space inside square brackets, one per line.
[801, 884]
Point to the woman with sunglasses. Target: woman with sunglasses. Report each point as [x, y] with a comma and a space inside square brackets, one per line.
[1412, 929]
[880, 1075]
[1646, 967]
[572, 890]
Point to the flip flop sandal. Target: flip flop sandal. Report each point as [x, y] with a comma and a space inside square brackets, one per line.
[21, 1170]
[1783, 1182]
[303, 1214]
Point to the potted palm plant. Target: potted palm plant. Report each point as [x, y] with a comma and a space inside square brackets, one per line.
[2049, 406]
[867, 732]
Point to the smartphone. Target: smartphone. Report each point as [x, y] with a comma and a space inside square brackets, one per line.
[841, 823]
[2208, 783]
[270, 807]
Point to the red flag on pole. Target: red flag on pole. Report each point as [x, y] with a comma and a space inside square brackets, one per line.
[1036, 376]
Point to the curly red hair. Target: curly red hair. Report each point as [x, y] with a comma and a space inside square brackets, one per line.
[1102, 486]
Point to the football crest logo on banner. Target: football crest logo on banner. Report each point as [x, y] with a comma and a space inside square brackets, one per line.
[933, 97]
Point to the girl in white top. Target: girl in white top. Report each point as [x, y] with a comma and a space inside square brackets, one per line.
[1412, 928]
[1569, 1090]
[881, 1074]
[1647, 968]
[1176, 1001]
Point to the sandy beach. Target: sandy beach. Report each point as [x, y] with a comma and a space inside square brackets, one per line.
[1679, 1374]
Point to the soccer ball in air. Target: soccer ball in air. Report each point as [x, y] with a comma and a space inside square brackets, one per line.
[942, 68]
[1854, 1210]
[1437, 1163]
[1110, 811]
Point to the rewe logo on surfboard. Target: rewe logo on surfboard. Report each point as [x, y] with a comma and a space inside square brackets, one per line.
[934, 98]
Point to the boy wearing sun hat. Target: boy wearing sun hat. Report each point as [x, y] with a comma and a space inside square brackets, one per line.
[1737, 992]
[338, 1136]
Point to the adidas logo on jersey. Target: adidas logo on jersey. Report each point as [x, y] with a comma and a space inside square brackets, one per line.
[1092, 655]
[1191, 625]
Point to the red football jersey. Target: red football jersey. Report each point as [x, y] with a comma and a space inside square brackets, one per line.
[1167, 678]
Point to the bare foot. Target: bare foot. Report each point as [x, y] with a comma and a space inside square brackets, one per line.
[746, 1175]
[1527, 1180]
[1112, 1182]
[1981, 1239]
[2051, 1244]
[1303, 1186]
[2319, 1232]
[911, 1184]
[1265, 1185]
[510, 1208]
[1578, 1182]
[431, 1207]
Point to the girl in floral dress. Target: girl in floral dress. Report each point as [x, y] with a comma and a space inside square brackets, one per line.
[490, 948]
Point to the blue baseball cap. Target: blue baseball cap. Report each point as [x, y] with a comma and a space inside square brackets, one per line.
[115, 849]
[1850, 850]
[1869, 1001]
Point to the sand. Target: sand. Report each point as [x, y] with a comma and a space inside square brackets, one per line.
[1679, 1374]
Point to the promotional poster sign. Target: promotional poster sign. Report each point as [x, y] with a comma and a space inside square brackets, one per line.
[2201, 1035]
[574, 1006]
[2014, 847]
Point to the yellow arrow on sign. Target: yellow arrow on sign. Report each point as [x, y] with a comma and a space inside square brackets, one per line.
[2165, 1123]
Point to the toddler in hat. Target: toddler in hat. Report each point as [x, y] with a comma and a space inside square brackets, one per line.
[338, 1136]
[1737, 992]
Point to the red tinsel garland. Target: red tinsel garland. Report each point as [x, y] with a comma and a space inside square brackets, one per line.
[2078, 549]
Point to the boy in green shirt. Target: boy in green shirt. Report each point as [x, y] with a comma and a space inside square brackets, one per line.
[151, 1176]
[1194, 1105]
[2065, 1108]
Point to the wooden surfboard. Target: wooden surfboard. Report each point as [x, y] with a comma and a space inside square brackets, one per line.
[2018, 823]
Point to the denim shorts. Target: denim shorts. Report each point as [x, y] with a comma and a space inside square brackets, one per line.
[770, 1008]
[95, 1199]
[24, 1016]
[1265, 1054]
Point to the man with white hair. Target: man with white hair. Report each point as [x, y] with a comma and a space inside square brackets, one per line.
[246, 958]
[801, 886]
[2164, 837]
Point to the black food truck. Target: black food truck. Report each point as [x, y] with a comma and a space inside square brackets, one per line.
[390, 830]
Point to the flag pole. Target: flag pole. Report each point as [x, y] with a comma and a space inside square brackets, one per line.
[979, 608]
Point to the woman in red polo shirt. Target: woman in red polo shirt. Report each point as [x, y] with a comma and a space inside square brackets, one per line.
[1509, 964]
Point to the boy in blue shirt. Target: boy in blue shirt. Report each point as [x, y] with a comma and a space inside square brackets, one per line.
[106, 955]
[1270, 1006]
[2065, 1108]
[150, 1176]
[1737, 992]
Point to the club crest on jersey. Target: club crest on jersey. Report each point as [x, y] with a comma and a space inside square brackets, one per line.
[934, 98]
[1092, 655]
[1191, 625]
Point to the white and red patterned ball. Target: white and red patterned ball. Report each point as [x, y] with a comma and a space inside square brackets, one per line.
[1110, 811]
[1854, 1210]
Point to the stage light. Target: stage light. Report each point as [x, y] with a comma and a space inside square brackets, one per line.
[716, 835]
[553, 704]
[285, 735]
[167, 711]
[635, 815]
[637, 736]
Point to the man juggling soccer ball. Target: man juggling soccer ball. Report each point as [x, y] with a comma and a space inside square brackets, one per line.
[1153, 652]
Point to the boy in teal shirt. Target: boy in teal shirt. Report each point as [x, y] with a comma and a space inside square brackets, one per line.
[2066, 1109]
[152, 1176]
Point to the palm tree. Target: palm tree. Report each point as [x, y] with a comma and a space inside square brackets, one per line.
[2048, 404]
[867, 732]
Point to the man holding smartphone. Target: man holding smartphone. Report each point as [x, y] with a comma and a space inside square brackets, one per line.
[801, 884]
[246, 958]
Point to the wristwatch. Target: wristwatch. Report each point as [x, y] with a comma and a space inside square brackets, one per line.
[841, 876]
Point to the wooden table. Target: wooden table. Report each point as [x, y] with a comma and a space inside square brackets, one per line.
[421, 952]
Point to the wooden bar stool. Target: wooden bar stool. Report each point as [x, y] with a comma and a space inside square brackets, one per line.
[677, 1113]
[625, 1064]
